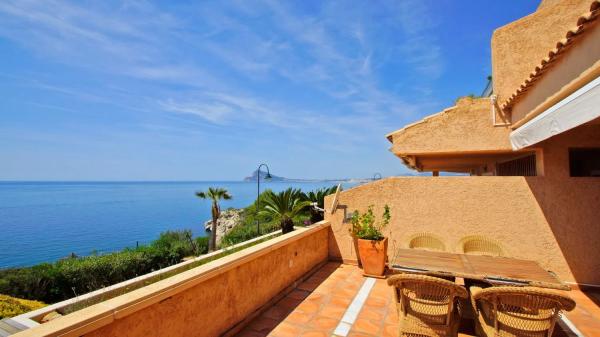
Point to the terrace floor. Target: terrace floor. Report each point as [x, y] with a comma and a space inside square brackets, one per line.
[338, 301]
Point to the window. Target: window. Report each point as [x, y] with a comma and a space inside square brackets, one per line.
[584, 162]
[524, 166]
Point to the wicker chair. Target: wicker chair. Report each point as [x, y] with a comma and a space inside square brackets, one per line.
[427, 306]
[517, 311]
[480, 245]
[426, 241]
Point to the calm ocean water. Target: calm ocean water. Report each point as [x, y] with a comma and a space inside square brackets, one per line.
[44, 221]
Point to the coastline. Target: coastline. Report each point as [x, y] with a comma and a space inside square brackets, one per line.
[45, 221]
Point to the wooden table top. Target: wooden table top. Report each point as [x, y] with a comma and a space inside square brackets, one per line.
[494, 270]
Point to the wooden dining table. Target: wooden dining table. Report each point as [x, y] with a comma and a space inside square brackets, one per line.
[491, 269]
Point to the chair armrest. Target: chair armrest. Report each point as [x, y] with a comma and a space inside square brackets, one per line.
[475, 290]
[461, 292]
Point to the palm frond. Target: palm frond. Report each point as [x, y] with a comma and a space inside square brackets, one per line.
[319, 195]
[285, 205]
[215, 194]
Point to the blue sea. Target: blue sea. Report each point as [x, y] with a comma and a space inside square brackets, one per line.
[45, 221]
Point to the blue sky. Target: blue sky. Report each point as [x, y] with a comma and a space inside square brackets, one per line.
[207, 90]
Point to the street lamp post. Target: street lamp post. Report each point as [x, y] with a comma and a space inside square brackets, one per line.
[267, 177]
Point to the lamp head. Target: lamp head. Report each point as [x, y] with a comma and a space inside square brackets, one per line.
[268, 176]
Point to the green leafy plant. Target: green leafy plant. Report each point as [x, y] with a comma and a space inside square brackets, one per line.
[202, 245]
[177, 242]
[247, 231]
[318, 196]
[284, 207]
[365, 226]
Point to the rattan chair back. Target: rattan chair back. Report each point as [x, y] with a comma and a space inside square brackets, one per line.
[518, 311]
[427, 306]
[426, 241]
[480, 245]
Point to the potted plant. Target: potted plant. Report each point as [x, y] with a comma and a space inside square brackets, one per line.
[372, 245]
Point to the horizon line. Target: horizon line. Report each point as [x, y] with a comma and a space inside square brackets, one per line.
[178, 181]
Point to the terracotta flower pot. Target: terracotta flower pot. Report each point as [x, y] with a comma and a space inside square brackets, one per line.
[373, 255]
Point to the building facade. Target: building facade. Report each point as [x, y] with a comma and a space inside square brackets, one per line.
[531, 150]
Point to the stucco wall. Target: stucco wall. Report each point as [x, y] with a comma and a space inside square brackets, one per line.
[584, 53]
[556, 151]
[546, 3]
[204, 301]
[462, 128]
[215, 305]
[519, 47]
[552, 221]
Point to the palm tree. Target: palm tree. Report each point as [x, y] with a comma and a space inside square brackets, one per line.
[318, 197]
[214, 194]
[284, 206]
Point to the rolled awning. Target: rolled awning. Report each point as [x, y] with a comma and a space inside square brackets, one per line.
[576, 109]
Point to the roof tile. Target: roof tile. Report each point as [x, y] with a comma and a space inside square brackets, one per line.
[554, 54]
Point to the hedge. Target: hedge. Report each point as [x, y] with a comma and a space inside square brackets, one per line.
[70, 277]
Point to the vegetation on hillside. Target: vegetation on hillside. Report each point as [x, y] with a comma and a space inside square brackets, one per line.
[269, 222]
[70, 277]
[248, 229]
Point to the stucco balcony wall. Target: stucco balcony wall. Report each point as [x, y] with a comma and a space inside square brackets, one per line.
[552, 221]
[209, 300]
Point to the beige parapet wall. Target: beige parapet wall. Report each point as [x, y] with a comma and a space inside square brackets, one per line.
[205, 301]
[465, 127]
[32, 318]
[552, 221]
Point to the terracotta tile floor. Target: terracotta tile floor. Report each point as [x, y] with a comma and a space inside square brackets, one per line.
[315, 308]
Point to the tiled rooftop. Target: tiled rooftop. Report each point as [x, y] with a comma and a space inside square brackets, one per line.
[338, 301]
[555, 53]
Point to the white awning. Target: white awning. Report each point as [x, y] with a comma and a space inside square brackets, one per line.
[578, 108]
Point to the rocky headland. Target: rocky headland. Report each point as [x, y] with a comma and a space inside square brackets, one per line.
[226, 222]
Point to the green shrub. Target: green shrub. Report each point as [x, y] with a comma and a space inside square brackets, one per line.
[248, 230]
[176, 245]
[202, 244]
[71, 277]
[82, 275]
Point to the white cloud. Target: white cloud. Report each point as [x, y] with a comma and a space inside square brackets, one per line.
[243, 62]
[215, 112]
